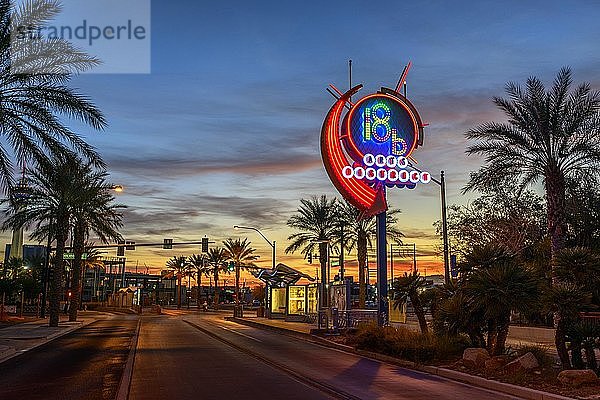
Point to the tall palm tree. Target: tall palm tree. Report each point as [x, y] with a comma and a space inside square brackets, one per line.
[199, 263]
[93, 211]
[47, 207]
[36, 97]
[217, 262]
[179, 266]
[316, 220]
[242, 255]
[551, 135]
[359, 234]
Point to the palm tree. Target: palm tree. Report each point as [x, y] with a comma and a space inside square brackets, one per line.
[199, 262]
[316, 220]
[409, 287]
[550, 135]
[51, 192]
[498, 290]
[578, 274]
[217, 262]
[36, 98]
[179, 266]
[93, 210]
[360, 235]
[242, 255]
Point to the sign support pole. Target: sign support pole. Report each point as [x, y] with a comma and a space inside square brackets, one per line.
[382, 284]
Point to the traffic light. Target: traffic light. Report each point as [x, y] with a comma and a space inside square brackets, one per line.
[168, 244]
[231, 266]
[309, 258]
[130, 245]
[205, 245]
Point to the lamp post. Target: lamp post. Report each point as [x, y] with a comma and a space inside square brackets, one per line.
[273, 247]
[442, 183]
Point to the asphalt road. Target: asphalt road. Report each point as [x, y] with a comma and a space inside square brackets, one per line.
[216, 359]
[86, 364]
[177, 361]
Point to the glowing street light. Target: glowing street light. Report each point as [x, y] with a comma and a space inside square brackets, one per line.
[272, 244]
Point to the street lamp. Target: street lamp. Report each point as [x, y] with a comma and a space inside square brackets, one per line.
[442, 184]
[396, 248]
[272, 244]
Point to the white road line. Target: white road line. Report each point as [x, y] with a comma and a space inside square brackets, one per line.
[240, 333]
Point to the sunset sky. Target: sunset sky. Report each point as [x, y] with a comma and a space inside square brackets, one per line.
[225, 129]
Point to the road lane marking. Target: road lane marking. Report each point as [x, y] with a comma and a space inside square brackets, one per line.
[240, 333]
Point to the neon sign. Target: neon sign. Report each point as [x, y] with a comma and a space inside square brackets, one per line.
[370, 148]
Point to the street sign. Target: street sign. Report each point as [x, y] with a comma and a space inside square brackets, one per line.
[71, 256]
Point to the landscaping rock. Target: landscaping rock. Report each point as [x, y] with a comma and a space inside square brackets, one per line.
[526, 362]
[475, 357]
[496, 363]
[578, 377]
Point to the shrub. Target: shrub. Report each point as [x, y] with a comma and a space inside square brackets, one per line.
[406, 344]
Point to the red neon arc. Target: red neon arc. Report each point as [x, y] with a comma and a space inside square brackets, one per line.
[367, 199]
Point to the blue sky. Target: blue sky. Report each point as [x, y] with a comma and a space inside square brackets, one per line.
[225, 130]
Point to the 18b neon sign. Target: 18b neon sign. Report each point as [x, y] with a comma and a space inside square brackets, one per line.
[377, 126]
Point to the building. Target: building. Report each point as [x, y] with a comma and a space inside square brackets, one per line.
[29, 251]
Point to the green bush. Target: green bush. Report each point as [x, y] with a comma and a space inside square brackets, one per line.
[406, 344]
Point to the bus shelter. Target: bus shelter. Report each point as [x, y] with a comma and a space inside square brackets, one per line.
[287, 299]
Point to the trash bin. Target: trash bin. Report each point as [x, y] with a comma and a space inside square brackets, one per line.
[238, 311]
[260, 311]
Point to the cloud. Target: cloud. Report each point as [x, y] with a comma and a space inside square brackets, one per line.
[182, 166]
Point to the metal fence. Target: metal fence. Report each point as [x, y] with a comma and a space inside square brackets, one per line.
[332, 318]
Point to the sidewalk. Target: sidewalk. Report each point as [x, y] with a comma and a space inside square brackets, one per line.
[19, 338]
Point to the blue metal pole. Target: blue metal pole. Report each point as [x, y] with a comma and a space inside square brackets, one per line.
[382, 284]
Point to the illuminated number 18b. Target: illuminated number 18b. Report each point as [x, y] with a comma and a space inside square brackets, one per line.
[377, 127]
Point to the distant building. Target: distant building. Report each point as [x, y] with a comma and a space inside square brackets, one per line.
[29, 251]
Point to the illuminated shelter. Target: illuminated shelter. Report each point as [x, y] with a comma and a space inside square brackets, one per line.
[281, 276]
[289, 300]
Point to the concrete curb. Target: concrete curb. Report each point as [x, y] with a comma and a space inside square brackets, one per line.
[496, 386]
[48, 339]
[125, 383]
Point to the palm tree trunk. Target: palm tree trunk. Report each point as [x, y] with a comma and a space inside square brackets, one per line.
[178, 290]
[576, 354]
[198, 297]
[419, 312]
[237, 284]
[502, 334]
[79, 247]
[56, 285]
[555, 197]
[324, 283]
[362, 264]
[590, 356]
[492, 334]
[560, 343]
[216, 298]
